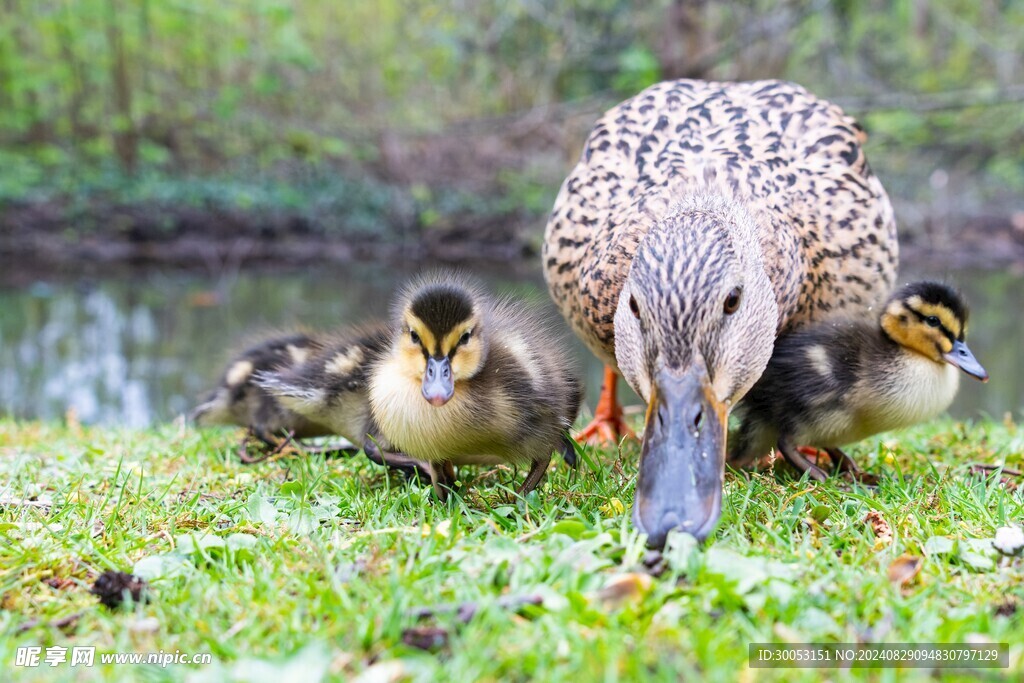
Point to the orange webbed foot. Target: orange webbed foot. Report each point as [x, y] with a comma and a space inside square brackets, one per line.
[608, 426]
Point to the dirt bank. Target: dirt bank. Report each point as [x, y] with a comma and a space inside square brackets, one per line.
[43, 237]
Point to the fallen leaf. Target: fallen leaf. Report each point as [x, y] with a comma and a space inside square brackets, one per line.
[429, 638]
[879, 527]
[60, 583]
[624, 588]
[904, 568]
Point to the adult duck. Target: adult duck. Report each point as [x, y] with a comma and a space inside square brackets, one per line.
[702, 220]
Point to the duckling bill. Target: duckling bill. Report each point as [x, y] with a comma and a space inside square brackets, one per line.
[471, 380]
[841, 381]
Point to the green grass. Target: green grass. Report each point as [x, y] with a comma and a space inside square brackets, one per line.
[321, 562]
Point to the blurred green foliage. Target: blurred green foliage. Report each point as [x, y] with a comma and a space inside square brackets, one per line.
[197, 83]
[133, 96]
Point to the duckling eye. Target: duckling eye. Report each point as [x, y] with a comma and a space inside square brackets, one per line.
[464, 339]
[933, 321]
[415, 337]
[634, 308]
[732, 302]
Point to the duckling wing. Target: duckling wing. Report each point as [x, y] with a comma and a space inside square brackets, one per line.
[330, 387]
[827, 227]
[814, 388]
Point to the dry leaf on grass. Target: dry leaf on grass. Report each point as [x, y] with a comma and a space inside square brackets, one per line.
[429, 638]
[904, 568]
[879, 527]
[624, 588]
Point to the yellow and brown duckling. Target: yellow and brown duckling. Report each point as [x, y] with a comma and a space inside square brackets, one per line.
[239, 400]
[841, 381]
[330, 388]
[469, 379]
[702, 220]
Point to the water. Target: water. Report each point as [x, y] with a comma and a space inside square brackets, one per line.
[136, 349]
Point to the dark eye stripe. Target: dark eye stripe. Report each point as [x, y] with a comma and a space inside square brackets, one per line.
[921, 317]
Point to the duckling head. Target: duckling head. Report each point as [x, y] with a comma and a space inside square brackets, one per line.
[441, 340]
[694, 329]
[930, 318]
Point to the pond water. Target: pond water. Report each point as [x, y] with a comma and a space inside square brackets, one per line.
[136, 349]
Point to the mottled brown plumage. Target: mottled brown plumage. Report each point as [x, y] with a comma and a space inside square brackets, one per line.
[825, 224]
[692, 196]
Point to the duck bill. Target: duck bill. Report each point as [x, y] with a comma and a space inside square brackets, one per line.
[962, 358]
[683, 458]
[438, 384]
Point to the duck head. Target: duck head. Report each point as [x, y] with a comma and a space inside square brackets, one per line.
[694, 328]
[931, 319]
[441, 341]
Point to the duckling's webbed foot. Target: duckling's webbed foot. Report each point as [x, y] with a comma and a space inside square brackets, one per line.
[607, 427]
[412, 469]
[797, 460]
[442, 475]
[264, 442]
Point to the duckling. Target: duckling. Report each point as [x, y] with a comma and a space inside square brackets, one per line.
[239, 400]
[329, 388]
[473, 380]
[841, 381]
[702, 220]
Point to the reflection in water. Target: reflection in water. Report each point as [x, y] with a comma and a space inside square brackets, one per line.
[133, 351]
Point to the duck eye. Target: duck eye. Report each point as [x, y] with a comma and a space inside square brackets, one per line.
[464, 339]
[634, 307]
[415, 337]
[933, 321]
[732, 302]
